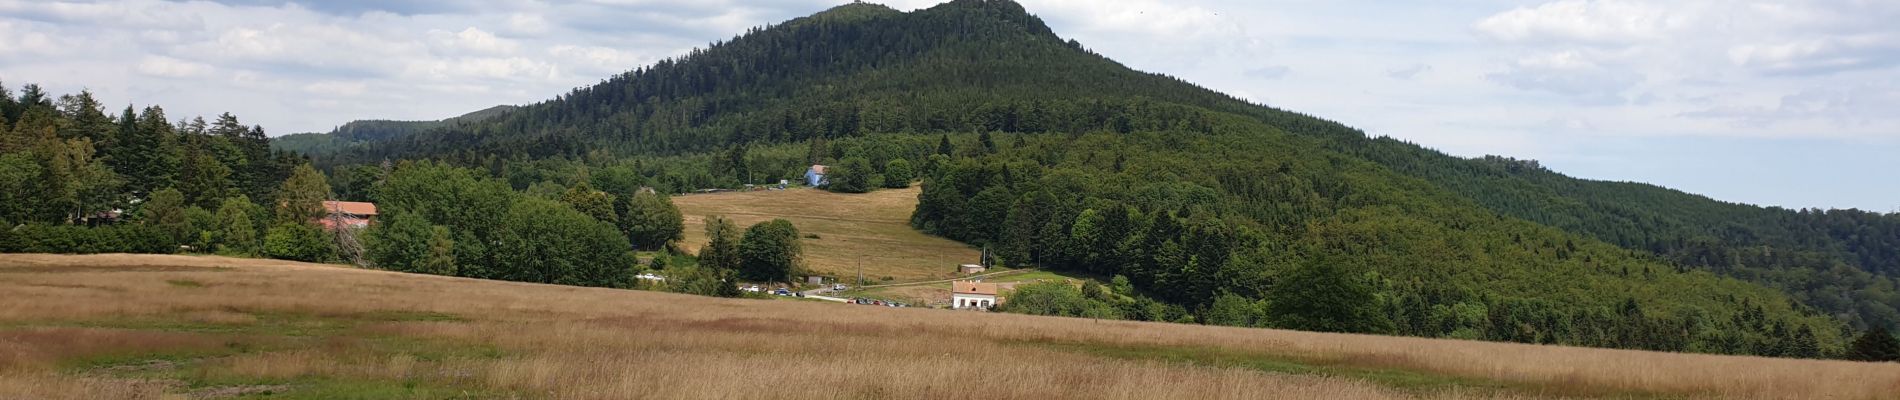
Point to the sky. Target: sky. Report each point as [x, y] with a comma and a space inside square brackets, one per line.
[1790, 103]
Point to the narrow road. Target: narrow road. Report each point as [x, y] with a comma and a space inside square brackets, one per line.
[819, 293]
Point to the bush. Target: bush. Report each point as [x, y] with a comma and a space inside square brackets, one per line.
[1057, 299]
[71, 239]
[898, 174]
[298, 242]
[651, 221]
[853, 175]
[548, 242]
[406, 242]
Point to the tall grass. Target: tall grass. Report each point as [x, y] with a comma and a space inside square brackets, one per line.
[541, 341]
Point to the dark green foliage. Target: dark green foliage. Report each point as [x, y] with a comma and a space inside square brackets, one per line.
[457, 199]
[898, 174]
[1874, 345]
[1326, 298]
[299, 242]
[357, 182]
[594, 203]
[239, 226]
[1233, 310]
[205, 178]
[651, 221]
[721, 252]
[1795, 250]
[853, 175]
[166, 212]
[1058, 299]
[769, 252]
[300, 199]
[548, 242]
[407, 242]
[70, 239]
[359, 133]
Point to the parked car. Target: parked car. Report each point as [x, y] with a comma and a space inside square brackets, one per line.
[782, 292]
[753, 288]
[837, 286]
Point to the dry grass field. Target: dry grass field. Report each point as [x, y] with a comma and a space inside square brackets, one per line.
[175, 327]
[870, 230]
[937, 293]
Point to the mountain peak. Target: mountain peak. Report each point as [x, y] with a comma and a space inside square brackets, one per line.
[856, 10]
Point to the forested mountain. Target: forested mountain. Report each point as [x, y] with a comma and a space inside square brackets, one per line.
[357, 132]
[1209, 208]
[1842, 261]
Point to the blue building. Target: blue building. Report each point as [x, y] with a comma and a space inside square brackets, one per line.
[815, 176]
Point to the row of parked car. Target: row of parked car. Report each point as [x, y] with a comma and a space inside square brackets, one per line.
[776, 292]
[876, 302]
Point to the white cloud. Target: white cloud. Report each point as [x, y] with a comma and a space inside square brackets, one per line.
[1407, 73]
[23, 40]
[528, 24]
[1570, 74]
[1589, 21]
[337, 88]
[474, 40]
[167, 67]
[1269, 72]
[1819, 54]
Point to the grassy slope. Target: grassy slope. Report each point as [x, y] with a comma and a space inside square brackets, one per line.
[870, 230]
[121, 326]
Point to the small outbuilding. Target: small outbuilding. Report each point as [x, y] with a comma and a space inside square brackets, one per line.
[969, 269]
[972, 295]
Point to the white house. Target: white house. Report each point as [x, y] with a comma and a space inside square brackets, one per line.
[815, 176]
[972, 295]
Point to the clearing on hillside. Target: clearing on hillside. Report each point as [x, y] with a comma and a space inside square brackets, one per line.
[161, 327]
[870, 230]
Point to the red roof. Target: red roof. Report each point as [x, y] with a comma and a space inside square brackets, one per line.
[972, 287]
[350, 207]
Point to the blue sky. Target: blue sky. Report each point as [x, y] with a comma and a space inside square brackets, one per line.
[1788, 103]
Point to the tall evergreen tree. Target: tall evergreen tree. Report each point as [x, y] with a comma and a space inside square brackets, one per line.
[1874, 345]
[300, 199]
[722, 244]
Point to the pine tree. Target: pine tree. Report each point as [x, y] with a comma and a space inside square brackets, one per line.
[1874, 345]
[205, 181]
[722, 244]
[238, 226]
[300, 199]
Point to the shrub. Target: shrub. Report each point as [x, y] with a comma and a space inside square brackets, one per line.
[298, 242]
[70, 239]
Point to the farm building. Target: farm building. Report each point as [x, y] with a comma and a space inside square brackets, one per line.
[967, 269]
[815, 176]
[347, 213]
[972, 295]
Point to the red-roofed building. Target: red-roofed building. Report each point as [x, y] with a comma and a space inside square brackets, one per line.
[347, 213]
[968, 295]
